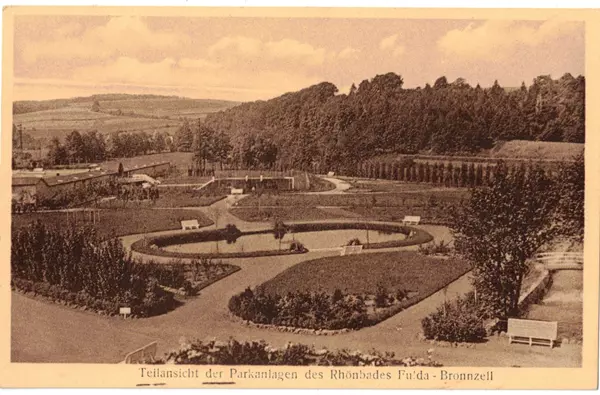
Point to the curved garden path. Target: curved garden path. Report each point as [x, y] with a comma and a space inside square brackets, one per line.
[61, 334]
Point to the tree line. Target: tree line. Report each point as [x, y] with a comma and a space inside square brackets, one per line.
[91, 146]
[208, 145]
[317, 125]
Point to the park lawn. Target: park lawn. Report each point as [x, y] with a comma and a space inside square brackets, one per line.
[267, 214]
[429, 215]
[434, 197]
[168, 197]
[117, 222]
[360, 274]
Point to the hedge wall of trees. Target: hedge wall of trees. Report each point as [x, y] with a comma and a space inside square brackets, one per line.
[77, 262]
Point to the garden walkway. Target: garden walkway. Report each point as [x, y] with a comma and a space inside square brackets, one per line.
[43, 332]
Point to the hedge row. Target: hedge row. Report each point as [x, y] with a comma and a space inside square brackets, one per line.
[156, 302]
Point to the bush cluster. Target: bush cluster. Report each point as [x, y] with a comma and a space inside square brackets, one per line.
[433, 248]
[301, 309]
[234, 352]
[76, 261]
[458, 321]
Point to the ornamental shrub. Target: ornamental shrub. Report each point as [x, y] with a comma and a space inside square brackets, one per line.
[460, 320]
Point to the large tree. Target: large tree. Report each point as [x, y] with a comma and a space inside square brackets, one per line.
[501, 227]
[572, 195]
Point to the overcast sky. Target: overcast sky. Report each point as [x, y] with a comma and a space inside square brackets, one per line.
[245, 59]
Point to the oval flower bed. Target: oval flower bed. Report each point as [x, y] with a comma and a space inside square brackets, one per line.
[154, 245]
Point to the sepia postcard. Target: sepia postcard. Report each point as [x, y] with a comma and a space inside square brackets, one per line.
[300, 198]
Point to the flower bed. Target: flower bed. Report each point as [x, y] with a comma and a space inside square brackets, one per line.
[153, 245]
[187, 279]
[376, 286]
[234, 352]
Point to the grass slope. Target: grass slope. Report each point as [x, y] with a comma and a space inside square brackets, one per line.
[361, 273]
[536, 150]
[118, 222]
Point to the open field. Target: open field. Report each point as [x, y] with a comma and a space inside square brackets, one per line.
[171, 107]
[60, 122]
[357, 274]
[47, 119]
[117, 222]
[563, 303]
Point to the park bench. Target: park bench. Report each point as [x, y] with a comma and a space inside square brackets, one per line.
[543, 333]
[142, 355]
[411, 220]
[190, 224]
[237, 191]
[351, 250]
[331, 174]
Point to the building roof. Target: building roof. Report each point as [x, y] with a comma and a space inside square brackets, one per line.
[83, 176]
[130, 181]
[25, 181]
[69, 178]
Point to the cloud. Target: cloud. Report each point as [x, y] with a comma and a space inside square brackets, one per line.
[389, 44]
[348, 53]
[120, 36]
[195, 75]
[496, 39]
[233, 49]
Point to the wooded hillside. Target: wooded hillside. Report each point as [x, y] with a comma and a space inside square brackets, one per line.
[318, 125]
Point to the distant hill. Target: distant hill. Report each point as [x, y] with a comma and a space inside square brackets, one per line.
[113, 112]
[25, 106]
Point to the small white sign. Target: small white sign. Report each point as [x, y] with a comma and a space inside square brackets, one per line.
[125, 311]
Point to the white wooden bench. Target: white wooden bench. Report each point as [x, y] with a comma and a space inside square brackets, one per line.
[411, 220]
[331, 174]
[237, 191]
[190, 224]
[351, 250]
[543, 333]
[142, 355]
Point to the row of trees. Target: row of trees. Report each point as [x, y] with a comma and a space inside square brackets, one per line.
[91, 146]
[77, 261]
[317, 125]
[207, 145]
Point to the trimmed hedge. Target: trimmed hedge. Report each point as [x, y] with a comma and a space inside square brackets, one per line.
[148, 246]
